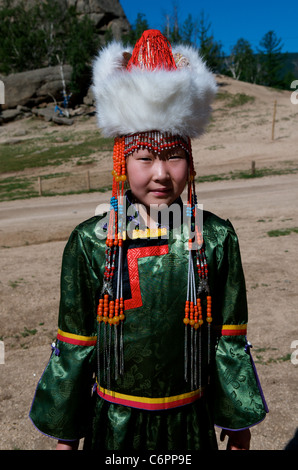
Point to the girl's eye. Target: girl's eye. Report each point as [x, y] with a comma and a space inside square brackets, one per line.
[176, 157]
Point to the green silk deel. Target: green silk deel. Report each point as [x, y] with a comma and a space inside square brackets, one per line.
[150, 406]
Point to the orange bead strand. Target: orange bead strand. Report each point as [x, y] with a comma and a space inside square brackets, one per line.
[100, 311]
[186, 313]
[191, 314]
[209, 312]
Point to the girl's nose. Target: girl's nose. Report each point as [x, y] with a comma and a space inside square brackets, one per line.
[160, 170]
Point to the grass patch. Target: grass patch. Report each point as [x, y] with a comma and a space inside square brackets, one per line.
[269, 359]
[246, 174]
[16, 283]
[34, 153]
[17, 188]
[234, 100]
[282, 232]
[28, 332]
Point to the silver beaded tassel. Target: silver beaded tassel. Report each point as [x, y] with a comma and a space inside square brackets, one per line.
[154, 140]
[192, 332]
[110, 348]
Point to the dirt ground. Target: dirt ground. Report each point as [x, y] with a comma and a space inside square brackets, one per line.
[33, 233]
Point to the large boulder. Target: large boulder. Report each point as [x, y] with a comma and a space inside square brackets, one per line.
[105, 14]
[31, 88]
[35, 86]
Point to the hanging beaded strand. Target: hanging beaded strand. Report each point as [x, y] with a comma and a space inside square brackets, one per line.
[193, 317]
[119, 317]
[191, 308]
[108, 307]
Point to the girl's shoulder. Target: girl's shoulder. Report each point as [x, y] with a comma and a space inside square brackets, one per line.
[91, 232]
[213, 220]
[216, 226]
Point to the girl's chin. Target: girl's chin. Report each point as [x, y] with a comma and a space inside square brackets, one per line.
[158, 200]
[155, 199]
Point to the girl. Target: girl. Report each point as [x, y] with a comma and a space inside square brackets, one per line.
[151, 350]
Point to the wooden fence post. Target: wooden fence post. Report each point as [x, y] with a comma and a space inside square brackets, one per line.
[273, 119]
[88, 180]
[39, 186]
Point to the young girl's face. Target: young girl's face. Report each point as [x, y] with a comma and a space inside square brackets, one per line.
[157, 179]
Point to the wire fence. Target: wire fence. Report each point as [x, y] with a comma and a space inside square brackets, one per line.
[84, 181]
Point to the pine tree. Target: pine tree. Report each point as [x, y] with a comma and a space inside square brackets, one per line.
[242, 63]
[210, 50]
[271, 60]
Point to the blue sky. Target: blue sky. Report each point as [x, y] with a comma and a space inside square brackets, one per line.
[230, 20]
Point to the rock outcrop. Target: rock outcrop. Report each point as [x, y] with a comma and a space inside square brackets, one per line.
[105, 14]
[35, 86]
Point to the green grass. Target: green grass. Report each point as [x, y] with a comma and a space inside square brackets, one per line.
[12, 188]
[247, 174]
[28, 332]
[282, 232]
[50, 150]
[34, 153]
[259, 354]
[234, 100]
[16, 283]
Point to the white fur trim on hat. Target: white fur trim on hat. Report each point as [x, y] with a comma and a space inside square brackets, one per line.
[139, 100]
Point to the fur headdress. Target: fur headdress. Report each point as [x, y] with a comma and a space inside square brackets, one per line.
[152, 87]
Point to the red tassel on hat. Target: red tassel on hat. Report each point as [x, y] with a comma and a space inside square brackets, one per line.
[152, 51]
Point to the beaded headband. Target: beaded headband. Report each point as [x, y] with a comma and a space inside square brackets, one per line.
[156, 142]
[152, 57]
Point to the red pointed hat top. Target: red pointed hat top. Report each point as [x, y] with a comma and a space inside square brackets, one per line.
[152, 51]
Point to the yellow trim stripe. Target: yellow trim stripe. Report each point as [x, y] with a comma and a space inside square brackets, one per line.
[229, 330]
[149, 233]
[149, 403]
[76, 339]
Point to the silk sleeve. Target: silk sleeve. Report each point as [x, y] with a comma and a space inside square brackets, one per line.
[62, 403]
[238, 400]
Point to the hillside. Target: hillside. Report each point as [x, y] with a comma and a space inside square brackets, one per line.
[240, 132]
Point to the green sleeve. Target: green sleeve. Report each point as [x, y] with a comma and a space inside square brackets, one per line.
[62, 403]
[238, 400]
